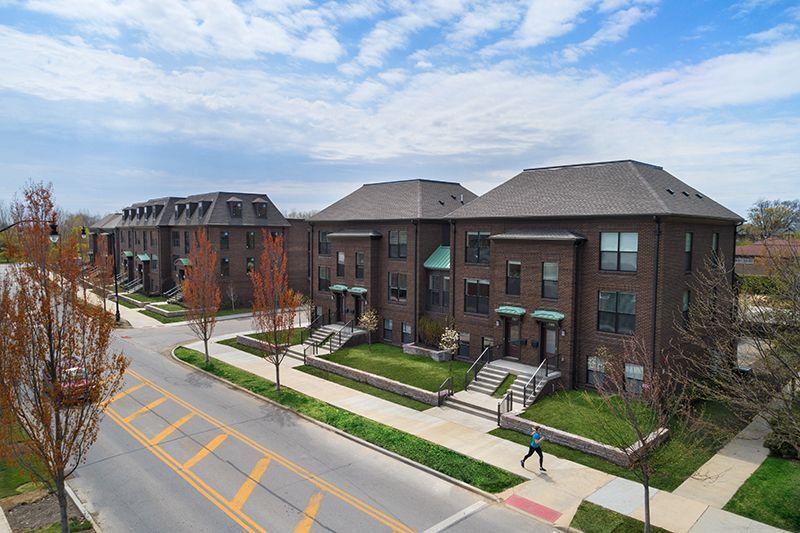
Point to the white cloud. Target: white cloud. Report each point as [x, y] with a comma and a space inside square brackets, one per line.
[614, 29]
[483, 19]
[776, 33]
[544, 20]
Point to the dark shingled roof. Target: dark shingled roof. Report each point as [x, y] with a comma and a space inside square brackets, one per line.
[614, 188]
[397, 200]
[107, 223]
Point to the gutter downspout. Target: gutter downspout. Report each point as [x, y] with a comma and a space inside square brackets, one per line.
[416, 278]
[575, 299]
[657, 220]
[453, 271]
[311, 262]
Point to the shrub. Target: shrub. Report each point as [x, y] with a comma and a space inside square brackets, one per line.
[756, 285]
[430, 331]
[780, 446]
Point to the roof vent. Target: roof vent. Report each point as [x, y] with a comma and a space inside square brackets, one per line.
[670, 191]
[699, 195]
[461, 199]
[453, 196]
[686, 194]
[441, 202]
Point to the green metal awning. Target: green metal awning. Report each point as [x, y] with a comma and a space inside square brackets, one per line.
[541, 314]
[358, 291]
[143, 257]
[439, 259]
[338, 288]
[183, 261]
[510, 310]
[127, 253]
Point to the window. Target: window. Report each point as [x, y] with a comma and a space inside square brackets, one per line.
[153, 238]
[687, 295]
[745, 260]
[224, 240]
[174, 263]
[406, 333]
[617, 312]
[122, 237]
[687, 251]
[618, 251]
[596, 370]
[487, 343]
[549, 280]
[340, 263]
[129, 237]
[438, 291]
[359, 265]
[225, 267]
[144, 239]
[138, 239]
[463, 344]
[250, 264]
[387, 329]
[324, 278]
[513, 271]
[186, 242]
[236, 209]
[176, 239]
[261, 209]
[398, 290]
[250, 241]
[477, 247]
[476, 296]
[154, 263]
[398, 244]
[715, 244]
[324, 244]
[634, 377]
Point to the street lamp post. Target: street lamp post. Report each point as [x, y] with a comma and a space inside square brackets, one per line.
[53, 228]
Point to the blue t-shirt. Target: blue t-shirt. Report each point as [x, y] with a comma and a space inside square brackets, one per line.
[536, 437]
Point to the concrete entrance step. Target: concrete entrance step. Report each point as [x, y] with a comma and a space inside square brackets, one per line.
[470, 408]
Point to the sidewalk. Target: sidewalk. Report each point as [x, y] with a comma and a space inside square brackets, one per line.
[553, 496]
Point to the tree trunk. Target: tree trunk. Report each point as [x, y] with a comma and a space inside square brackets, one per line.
[205, 344]
[646, 485]
[277, 377]
[61, 494]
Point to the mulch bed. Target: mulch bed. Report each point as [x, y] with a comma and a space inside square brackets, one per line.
[35, 510]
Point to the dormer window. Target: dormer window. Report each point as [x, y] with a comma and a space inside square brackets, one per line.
[178, 210]
[235, 207]
[148, 211]
[200, 209]
[192, 207]
[158, 209]
[139, 212]
[260, 207]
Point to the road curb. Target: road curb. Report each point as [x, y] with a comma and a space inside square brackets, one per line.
[4, 525]
[484, 494]
[82, 508]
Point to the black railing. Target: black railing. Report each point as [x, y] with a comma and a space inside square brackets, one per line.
[306, 333]
[445, 390]
[338, 336]
[529, 390]
[505, 405]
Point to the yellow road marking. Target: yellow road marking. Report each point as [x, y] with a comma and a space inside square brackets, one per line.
[169, 429]
[210, 494]
[392, 523]
[127, 391]
[149, 406]
[304, 525]
[205, 450]
[247, 487]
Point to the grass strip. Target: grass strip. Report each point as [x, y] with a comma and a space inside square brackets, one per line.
[170, 307]
[390, 362]
[591, 518]
[74, 526]
[161, 318]
[139, 297]
[365, 387]
[296, 338]
[476, 473]
[504, 386]
[129, 305]
[771, 495]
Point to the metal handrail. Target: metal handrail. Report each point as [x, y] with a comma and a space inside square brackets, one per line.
[305, 352]
[338, 335]
[467, 379]
[532, 380]
[447, 388]
[508, 400]
[309, 329]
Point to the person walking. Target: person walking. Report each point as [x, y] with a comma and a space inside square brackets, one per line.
[535, 447]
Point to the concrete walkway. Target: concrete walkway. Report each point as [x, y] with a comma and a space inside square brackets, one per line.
[553, 496]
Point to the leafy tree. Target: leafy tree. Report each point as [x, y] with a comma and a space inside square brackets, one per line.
[449, 343]
[56, 371]
[369, 320]
[770, 218]
[200, 289]
[274, 302]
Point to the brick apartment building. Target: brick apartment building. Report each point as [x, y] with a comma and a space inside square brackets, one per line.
[370, 246]
[153, 239]
[551, 264]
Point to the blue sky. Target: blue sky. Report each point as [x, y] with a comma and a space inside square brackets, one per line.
[117, 101]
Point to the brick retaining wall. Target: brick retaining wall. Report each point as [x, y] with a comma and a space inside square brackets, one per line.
[611, 454]
[164, 312]
[424, 396]
[436, 355]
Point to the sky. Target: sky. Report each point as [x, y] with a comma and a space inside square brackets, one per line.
[118, 101]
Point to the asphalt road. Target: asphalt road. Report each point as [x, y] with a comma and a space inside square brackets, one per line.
[178, 451]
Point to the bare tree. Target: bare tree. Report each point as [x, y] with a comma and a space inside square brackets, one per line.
[274, 303]
[769, 334]
[770, 218]
[57, 372]
[201, 289]
[103, 275]
[369, 320]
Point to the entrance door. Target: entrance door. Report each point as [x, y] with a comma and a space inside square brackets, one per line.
[549, 344]
[357, 303]
[512, 337]
[129, 264]
[339, 308]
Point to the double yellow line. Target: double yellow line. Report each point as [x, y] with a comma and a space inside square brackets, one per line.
[233, 508]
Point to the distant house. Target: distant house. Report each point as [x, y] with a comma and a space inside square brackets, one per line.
[752, 259]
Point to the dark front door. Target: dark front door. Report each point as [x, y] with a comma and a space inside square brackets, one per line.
[129, 264]
[512, 337]
[549, 347]
[356, 308]
[339, 308]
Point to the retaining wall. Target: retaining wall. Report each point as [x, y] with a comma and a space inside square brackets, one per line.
[436, 355]
[164, 312]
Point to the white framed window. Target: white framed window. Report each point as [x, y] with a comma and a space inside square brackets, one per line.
[634, 377]
[596, 370]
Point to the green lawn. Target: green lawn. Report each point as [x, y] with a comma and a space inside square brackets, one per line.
[591, 518]
[74, 526]
[391, 362]
[139, 297]
[674, 461]
[297, 336]
[504, 386]
[11, 477]
[129, 305]
[161, 318]
[771, 495]
[236, 311]
[364, 387]
[170, 307]
[466, 469]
